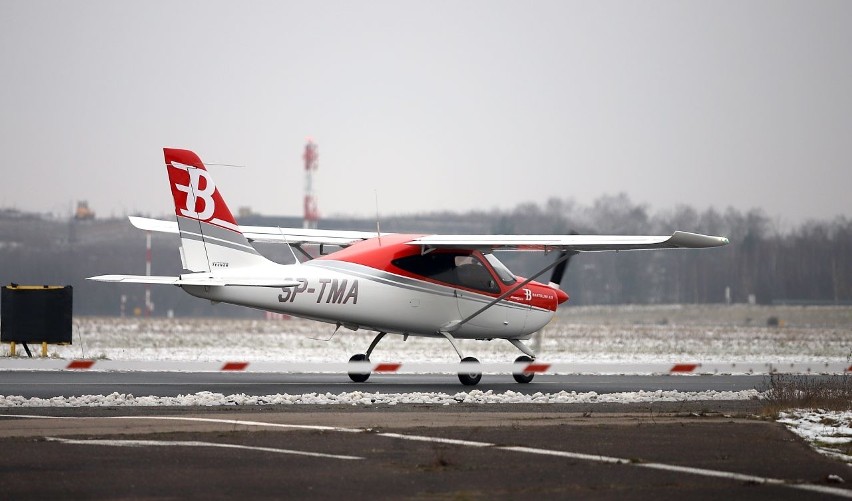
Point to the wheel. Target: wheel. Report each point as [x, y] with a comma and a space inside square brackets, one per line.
[523, 377]
[359, 376]
[470, 378]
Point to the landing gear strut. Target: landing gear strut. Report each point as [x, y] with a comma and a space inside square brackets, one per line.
[529, 356]
[469, 373]
[358, 375]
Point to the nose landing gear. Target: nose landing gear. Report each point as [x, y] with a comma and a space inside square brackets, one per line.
[527, 357]
[523, 377]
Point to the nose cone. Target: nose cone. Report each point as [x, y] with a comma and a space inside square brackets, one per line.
[561, 297]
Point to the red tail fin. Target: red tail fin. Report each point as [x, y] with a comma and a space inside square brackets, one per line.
[194, 192]
[209, 235]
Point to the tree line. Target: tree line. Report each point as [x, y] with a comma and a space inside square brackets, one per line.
[807, 264]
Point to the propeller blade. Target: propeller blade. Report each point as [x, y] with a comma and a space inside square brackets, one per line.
[559, 270]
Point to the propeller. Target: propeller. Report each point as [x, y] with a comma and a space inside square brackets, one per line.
[559, 269]
[555, 280]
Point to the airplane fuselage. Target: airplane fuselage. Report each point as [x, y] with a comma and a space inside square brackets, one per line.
[392, 287]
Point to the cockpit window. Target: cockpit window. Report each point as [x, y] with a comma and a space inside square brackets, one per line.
[465, 270]
[505, 275]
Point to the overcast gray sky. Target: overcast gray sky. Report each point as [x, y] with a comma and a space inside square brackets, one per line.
[434, 105]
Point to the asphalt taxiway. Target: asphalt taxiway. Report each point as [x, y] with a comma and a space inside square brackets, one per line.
[47, 384]
[691, 450]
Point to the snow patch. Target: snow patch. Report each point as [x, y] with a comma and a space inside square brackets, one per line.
[207, 398]
[824, 430]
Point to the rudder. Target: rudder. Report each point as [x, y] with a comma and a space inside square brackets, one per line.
[210, 237]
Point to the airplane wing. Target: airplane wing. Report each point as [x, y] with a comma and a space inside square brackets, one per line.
[576, 243]
[198, 279]
[269, 234]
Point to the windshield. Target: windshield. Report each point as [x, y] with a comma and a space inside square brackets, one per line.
[505, 275]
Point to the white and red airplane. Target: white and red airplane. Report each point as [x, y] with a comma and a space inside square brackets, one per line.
[444, 286]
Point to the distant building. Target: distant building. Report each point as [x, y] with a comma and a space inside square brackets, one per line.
[83, 212]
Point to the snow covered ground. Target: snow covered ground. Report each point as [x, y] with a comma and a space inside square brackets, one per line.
[572, 337]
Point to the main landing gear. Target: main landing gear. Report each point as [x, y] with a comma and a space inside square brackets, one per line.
[469, 372]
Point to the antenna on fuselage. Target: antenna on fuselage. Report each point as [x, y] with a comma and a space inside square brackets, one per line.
[289, 246]
[223, 165]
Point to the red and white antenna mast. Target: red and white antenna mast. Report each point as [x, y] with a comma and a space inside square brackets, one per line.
[149, 306]
[311, 157]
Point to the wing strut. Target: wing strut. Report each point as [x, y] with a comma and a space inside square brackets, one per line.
[562, 258]
[521, 346]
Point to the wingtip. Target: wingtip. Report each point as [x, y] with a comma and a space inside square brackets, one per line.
[696, 240]
[104, 278]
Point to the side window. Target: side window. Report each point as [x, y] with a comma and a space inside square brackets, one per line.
[472, 273]
[457, 269]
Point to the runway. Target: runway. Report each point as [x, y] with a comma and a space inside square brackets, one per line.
[680, 449]
[48, 384]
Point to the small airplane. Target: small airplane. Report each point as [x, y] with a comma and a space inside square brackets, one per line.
[443, 286]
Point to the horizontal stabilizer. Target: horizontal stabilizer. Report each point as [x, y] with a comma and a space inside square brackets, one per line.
[136, 279]
[148, 224]
[198, 279]
[269, 234]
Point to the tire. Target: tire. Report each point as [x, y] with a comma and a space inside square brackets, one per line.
[470, 378]
[358, 376]
[523, 377]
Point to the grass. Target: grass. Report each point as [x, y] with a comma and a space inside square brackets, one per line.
[793, 391]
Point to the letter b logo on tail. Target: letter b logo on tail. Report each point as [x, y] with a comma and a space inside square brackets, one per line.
[194, 193]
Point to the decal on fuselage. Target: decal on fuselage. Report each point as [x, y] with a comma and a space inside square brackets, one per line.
[329, 290]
